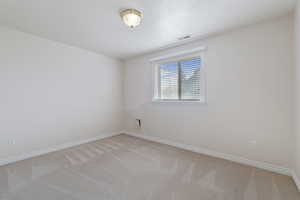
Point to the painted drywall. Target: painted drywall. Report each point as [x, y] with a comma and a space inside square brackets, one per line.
[248, 110]
[52, 94]
[296, 85]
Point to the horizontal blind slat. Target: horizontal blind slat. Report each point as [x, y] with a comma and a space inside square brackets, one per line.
[169, 81]
[190, 78]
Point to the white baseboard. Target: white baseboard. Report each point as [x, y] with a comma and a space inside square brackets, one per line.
[258, 164]
[25, 156]
[296, 179]
[237, 159]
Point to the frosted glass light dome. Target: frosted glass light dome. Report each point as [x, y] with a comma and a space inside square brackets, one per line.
[131, 17]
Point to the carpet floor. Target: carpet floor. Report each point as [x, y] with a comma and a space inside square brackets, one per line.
[127, 168]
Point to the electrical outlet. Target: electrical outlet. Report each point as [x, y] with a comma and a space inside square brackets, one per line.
[11, 142]
[252, 143]
[139, 123]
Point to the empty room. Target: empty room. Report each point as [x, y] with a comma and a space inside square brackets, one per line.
[149, 100]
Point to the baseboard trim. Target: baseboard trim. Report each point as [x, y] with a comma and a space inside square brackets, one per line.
[25, 156]
[296, 179]
[237, 159]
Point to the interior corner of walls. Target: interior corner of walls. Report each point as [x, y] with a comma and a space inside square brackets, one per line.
[296, 179]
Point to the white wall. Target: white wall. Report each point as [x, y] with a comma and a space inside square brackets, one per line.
[249, 96]
[297, 93]
[51, 94]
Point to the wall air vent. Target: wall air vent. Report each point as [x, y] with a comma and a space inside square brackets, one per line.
[184, 37]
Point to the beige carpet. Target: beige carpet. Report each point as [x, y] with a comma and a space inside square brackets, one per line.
[128, 168]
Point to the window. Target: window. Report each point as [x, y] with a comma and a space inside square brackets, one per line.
[179, 79]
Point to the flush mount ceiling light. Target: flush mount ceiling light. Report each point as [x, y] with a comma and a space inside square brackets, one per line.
[131, 17]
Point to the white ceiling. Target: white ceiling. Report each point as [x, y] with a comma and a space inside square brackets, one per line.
[96, 25]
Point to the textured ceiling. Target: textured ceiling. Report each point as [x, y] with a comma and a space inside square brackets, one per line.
[96, 25]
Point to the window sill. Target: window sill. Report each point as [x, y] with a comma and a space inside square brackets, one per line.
[179, 101]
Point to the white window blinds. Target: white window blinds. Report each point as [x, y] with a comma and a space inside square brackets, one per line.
[180, 80]
[190, 79]
[169, 81]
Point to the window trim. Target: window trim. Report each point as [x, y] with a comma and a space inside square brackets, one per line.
[179, 57]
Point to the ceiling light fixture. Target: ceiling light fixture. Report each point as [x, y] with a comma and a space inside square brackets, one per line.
[131, 17]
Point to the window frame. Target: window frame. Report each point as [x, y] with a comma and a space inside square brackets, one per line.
[179, 57]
